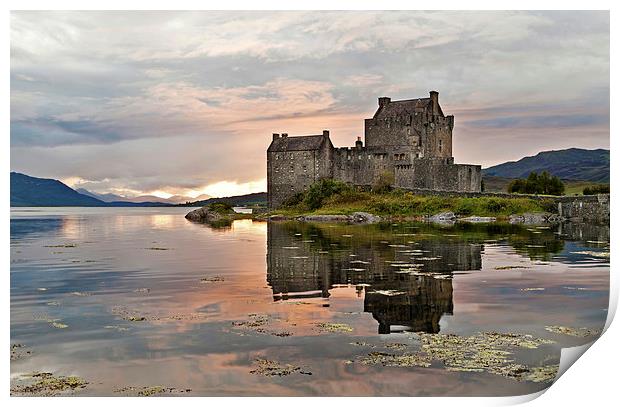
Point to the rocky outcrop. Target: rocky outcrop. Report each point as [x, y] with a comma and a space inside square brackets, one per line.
[444, 217]
[204, 215]
[478, 219]
[356, 217]
[536, 218]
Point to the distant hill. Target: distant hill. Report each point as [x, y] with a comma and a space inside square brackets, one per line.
[101, 197]
[31, 191]
[257, 198]
[570, 164]
[148, 199]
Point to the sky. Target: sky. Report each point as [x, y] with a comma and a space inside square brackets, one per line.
[184, 103]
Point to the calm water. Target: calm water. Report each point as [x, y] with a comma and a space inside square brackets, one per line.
[141, 297]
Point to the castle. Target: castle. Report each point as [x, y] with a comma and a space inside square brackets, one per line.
[411, 139]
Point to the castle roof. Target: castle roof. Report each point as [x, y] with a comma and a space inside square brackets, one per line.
[395, 108]
[399, 107]
[297, 143]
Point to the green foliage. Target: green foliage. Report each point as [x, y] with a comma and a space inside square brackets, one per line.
[221, 207]
[596, 189]
[333, 197]
[321, 190]
[544, 184]
[383, 183]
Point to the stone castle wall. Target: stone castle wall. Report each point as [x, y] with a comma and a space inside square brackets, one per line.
[438, 175]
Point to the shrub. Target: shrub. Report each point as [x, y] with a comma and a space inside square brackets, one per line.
[220, 207]
[596, 189]
[383, 183]
[321, 190]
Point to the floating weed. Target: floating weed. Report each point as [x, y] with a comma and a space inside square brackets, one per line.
[59, 325]
[81, 294]
[157, 248]
[46, 384]
[541, 373]
[396, 345]
[578, 332]
[533, 289]
[333, 327]
[68, 245]
[142, 290]
[213, 279]
[19, 351]
[272, 368]
[484, 352]
[369, 345]
[388, 359]
[147, 391]
[511, 267]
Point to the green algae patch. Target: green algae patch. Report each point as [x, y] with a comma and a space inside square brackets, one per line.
[147, 391]
[389, 359]
[267, 367]
[577, 332]
[334, 327]
[69, 245]
[213, 279]
[486, 352]
[46, 384]
[19, 351]
[511, 267]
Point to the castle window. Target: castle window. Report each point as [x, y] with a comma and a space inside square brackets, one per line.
[409, 132]
[440, 145]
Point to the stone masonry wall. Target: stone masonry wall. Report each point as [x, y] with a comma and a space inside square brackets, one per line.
[437, 175]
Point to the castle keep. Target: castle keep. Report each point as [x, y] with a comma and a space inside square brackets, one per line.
[412, 139]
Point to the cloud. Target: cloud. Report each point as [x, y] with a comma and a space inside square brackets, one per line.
[175, 101]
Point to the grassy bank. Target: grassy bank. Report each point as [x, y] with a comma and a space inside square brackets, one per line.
[339, 199]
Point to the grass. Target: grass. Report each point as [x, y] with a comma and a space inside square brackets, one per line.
[402, 203]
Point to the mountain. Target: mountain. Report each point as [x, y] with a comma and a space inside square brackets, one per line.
[569, 164]
[257, 198]
[175, 199]
[31, 191]
[101, 197]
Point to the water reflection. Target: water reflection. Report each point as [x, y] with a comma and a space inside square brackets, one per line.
[405, 277]
[403, 271]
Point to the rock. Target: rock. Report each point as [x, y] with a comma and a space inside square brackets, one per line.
[356, 217]
[536, 218]
[478, 219]
[443, 217]
[363, 217]
[324, 218]
[278, 217]
[204, 215]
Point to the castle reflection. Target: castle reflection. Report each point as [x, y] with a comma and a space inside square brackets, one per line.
[403, 274]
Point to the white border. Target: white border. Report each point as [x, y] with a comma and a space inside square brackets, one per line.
[591, 382]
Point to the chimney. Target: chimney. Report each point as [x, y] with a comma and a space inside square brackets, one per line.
[325, 133]
[435, 101]
[275, 136]
[284, 135]
[358, 143]
[384, 101]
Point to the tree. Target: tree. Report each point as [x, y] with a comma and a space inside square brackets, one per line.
[544, 183]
